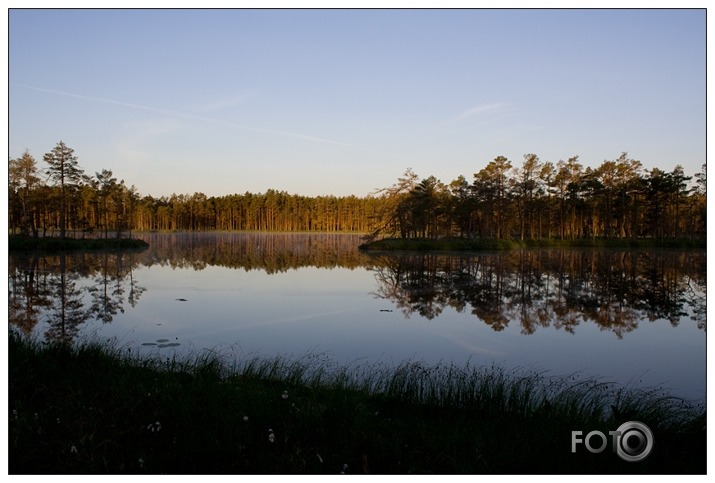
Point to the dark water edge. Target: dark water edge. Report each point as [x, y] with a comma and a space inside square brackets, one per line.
[51, 244]
[461, 244]
[95, 408]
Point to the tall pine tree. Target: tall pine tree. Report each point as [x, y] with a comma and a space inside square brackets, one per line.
[63, 171]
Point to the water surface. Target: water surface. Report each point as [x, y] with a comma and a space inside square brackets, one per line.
[634, 317]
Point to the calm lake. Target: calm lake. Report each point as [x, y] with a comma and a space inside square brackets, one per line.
[633, 317]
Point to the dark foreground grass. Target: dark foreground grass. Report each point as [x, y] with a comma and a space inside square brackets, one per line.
[462, 244]
[94, 408]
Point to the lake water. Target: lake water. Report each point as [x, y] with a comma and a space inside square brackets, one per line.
[633, 317]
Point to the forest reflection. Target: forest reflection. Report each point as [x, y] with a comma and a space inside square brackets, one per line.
[69, 289]
[270, 252]
[616, 290]
[556, 288]
[66, 290]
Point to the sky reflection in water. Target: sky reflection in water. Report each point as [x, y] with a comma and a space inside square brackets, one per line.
[298, 294]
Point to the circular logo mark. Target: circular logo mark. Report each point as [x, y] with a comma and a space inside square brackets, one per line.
[634, 441]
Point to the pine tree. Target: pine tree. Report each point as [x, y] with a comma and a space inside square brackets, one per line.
[65, 172]
[24, 180]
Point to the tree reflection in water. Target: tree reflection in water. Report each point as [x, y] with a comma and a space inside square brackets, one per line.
[541, 288]
[66, 290]
[557, 288]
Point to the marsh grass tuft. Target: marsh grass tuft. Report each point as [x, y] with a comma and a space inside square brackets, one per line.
[95, 407]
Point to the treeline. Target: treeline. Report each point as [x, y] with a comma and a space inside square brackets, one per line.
[269, 211]
[536, 200]
[542, 200]
[63, 198]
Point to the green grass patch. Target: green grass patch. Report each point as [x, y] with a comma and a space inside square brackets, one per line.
[95, 408]
[28, 243]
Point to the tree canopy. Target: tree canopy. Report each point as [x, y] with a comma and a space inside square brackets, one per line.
[540, 200]
[533, 199]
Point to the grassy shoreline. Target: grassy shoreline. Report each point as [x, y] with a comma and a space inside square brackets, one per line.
[96, 408]
[51, 243]
[461, 244]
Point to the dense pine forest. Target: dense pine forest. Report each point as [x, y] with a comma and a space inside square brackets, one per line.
[504, 200]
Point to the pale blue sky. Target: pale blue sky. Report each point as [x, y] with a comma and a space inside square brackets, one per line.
[343, 101]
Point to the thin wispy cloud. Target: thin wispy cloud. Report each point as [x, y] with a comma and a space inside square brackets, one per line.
[491, 107]
[223, 103]
[139, 134]
[187, 115]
